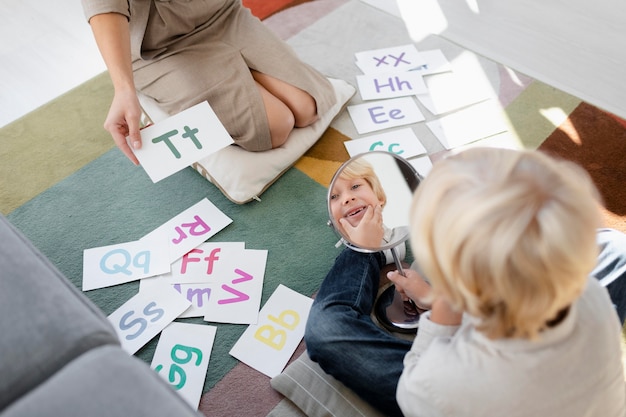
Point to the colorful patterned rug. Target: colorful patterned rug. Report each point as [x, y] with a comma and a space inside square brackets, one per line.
[66, 187]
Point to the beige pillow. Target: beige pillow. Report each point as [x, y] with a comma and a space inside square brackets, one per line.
[243, 176]
[318, 394]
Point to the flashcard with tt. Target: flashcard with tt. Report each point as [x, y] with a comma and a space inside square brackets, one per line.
[383, 114]
[237, 298]
[190, 228]
[402, 142]
[392, 59]
[147, 313]
[182, 358]
[268, 345]
[116, 264]
[390, 85]
[180, 140]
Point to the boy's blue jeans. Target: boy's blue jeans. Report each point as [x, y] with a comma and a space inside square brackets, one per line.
[341, 337]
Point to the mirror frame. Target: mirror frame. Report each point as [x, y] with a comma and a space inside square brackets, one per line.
[403, 229]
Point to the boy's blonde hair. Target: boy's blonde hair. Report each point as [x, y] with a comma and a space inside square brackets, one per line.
[508, 237]
[360, 168]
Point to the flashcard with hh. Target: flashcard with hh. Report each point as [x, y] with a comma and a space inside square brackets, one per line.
[392, 59]
[390, 85]
[469, 125]
[198, 295]
[402, 142]
[182, 358]
[436, 62]
[204, 263]
[383, 114]
[448, 92]
[147, 313]
[268, 345]
[237, 298]
[116, 264]
[180, 140]
[190, 228]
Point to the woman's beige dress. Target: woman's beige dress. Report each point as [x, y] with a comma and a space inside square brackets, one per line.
[188, 51]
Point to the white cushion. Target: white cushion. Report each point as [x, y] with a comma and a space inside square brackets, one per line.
[242, 175]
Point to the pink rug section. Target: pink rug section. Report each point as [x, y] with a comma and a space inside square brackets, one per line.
[290, 22]
[243, 392]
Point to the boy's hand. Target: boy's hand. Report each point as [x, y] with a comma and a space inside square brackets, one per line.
[411, 285]
[369, 232]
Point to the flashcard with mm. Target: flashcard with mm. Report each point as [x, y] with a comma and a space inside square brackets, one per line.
[190, 228]
[237, 297]
[390, 85]
[392, 59]
[204, 263]
[180, 140]
[147, 313]
[182, 358]
[383, 114]
[199, 295]
[401, 142]
[116, 264]
[268, 345]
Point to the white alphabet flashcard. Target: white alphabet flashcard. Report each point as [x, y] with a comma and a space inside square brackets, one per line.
[391, 59]
[232, 296]
[142, 317]
[180, 140]
[469, 125]
[401, 142]
[436, 62]
[268, 345]
[422, 165]
[204, 263]
[389, 85]
[182, 358]
[237, 298]
[197, 294]
[450, 91]
[190, 228]
[384, 114]
[110, 265]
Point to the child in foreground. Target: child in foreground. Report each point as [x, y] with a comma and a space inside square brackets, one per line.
[520, 324]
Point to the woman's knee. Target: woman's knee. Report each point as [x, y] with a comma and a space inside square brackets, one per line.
[305, 110]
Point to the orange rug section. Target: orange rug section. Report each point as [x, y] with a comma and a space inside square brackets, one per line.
[597, 141]
[264, 8]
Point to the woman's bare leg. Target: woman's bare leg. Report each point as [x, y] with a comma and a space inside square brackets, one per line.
[301, 103]
[279, 116]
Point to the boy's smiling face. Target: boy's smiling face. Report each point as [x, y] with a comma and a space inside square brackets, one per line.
[349, 200]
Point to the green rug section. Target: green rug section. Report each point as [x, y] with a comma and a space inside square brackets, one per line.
[53, 141]
[111, 201]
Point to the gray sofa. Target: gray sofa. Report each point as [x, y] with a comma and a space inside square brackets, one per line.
[59, 356]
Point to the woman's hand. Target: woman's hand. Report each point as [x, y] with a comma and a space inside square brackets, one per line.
[123, 120]
[369, 232]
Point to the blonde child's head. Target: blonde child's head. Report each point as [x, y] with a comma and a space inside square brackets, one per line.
[508, 237]
[360, 168]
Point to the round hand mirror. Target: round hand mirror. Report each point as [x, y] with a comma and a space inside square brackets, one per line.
[368, 204]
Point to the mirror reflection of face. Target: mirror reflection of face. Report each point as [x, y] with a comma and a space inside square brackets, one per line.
[350, 198]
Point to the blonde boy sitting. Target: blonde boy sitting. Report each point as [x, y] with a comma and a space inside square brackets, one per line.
[519, 325]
